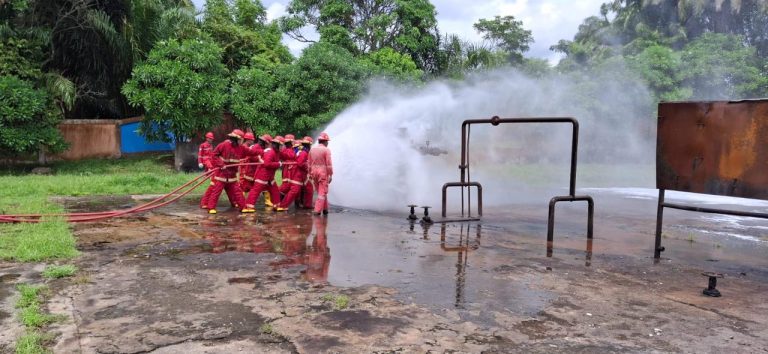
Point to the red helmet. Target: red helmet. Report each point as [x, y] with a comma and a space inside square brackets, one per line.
[307, 140]
[237, 133]
[289, 137]
[249, 136]
[266, 137]
[209, 135]
[323, 136]
[279, 139]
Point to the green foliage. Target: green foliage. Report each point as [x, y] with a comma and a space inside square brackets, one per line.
[21, 57]
[660, 68]
[27, 124]
[29, 304]
[507, 34]
[250, 13]
[300, 97]
[390, 64]
[182, 86]
[242, 33]
[56, 271]
[407, 26]
[31, 343]
[322, 82]
[257, 100]
[720, 66]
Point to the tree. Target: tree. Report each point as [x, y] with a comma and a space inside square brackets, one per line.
[721, 66]
[242, 33]
[95, 43]
[258, 101]
[660, 66]
[388, 63]
[507, 34]
[322, 82]
[365, 26]
[27, 123]
[182, 87]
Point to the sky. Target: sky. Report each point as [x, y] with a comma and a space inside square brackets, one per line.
[549, 20]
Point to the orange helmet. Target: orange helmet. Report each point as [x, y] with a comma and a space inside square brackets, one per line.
[249, 136]
[209, 135]
[279, 139]
[266, 137]
[307, 140]
[289, 137]
[323, 136]
[237, 133]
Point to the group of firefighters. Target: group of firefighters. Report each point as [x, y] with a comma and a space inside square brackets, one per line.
[245, 166]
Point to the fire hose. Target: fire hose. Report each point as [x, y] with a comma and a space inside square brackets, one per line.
[160, 201]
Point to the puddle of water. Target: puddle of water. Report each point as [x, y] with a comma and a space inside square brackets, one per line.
[499, 264]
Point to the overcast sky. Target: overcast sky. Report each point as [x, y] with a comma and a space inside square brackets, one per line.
[549, 20]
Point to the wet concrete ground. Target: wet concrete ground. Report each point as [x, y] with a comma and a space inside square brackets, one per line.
[178, 280]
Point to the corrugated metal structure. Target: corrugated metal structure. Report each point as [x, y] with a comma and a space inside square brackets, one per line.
[718, 147]
[714, 148]
[132, 142]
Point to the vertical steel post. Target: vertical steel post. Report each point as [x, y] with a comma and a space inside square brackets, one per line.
[659, 218]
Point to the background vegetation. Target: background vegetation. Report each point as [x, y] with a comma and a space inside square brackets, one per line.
[120, 58]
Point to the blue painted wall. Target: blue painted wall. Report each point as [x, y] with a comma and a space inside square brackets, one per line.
[132, 142]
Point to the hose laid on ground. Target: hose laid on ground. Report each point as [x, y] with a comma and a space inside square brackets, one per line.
[175, 195]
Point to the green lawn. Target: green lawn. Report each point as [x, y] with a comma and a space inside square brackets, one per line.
[27, 193]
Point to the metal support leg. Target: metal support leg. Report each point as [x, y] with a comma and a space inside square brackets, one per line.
[657, 249]
[551, 219]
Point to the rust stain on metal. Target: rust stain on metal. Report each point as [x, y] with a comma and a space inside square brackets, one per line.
[717, 147]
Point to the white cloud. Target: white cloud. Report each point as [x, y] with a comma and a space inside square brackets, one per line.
[275, 10]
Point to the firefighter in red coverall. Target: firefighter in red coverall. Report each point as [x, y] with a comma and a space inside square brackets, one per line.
[252, 156]
[287, 154]
[228, 152]
[204, 153]
[321, 172]
[319, 256]
[307, 190]
[298, 178]
[265, 174]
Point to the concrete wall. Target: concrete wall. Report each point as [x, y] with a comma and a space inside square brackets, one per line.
[90, 138]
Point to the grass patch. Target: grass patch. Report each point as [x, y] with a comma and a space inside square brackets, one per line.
[55, 271]
[29, 194]
[30, 313]
[33, 318]
[32, 343]
[266, 328]
[339, 302]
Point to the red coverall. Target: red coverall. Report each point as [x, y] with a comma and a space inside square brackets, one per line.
[298, 178]
[287, 155]
[320, 172]
[264, 179]
[247, 172]
[226, 154]
[204, 153]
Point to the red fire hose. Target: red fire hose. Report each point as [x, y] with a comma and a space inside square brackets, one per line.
[163, 200]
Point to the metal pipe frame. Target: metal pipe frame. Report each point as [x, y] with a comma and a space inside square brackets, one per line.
[571, 197]
[464, 184]
[658, 248]
[568, 198]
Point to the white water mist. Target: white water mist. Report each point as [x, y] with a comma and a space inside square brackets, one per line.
[378, 142]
